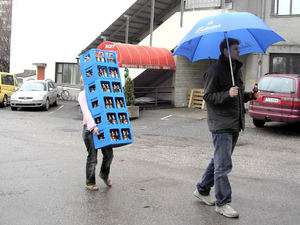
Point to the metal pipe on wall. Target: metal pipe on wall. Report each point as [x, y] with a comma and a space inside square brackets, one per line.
[127, 28]
[181, 12]
[223, 5]
[260, 56]
[152, 21]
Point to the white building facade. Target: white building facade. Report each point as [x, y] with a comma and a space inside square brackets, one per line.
[283, 16]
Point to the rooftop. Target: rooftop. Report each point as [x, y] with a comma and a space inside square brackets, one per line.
[139, 22]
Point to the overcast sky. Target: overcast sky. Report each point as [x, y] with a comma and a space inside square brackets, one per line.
[50, 31]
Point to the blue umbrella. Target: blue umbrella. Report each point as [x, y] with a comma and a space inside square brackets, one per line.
[203, 41]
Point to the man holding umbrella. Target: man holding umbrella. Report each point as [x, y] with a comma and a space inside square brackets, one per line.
[224, 91]
[226, 118]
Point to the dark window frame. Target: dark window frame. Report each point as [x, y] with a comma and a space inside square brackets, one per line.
[57, 73]
[4, 79]
[288, 57]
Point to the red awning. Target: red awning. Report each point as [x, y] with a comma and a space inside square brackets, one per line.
[136, 56]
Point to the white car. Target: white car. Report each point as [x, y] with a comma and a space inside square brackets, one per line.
[35, 93]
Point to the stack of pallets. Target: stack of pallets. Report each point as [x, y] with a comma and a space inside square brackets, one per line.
[195, 99]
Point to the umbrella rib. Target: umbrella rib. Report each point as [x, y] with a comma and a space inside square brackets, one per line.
[256, 40]
[196, 48]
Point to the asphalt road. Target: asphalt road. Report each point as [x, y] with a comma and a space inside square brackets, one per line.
[42, 172]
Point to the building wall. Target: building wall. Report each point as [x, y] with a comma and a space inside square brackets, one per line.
[251, 62]
[187, 76]
[252, 6]
[190, 75]
[5, 32]
[255, 65]
[286, 26]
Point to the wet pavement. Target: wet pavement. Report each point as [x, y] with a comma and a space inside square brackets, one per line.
[42, 172]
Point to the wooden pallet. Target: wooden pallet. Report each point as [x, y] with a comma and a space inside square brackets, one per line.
[195, 99]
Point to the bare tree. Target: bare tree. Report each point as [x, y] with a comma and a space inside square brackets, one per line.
[5, 34]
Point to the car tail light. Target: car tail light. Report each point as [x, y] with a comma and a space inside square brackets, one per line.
[258, 101]
[291, 103]
[287, 102]
[296, 103]
[260, 98]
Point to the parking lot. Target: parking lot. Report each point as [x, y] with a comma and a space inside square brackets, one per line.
[42, 171]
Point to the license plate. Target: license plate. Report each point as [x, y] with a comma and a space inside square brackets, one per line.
[272, 100]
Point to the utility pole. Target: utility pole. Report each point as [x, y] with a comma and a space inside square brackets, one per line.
[127, 28]
[223, 5]
[260, 56]
[181, 12]
[152, 21]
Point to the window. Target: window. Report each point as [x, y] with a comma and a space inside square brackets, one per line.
[198, 4]
[277, 84]
[66, 78]
[67, 73]
[286, 7]
[33, 86]
[285, 63]
[7, 80]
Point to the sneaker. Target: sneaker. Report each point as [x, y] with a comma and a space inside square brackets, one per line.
[227, 210]
[92, 187]
[207, 199]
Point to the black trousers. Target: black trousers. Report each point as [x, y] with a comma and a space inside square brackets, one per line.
[91, 160]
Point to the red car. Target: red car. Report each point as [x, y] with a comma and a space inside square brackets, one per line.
[279, 99]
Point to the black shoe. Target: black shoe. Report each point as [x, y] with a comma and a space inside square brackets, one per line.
[106, 180]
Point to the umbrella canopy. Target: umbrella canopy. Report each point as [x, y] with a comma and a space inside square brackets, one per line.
[203, 41]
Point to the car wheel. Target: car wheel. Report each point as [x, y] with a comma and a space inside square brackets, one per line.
[4, 101]
[65, 95]
[47, 105]
[258, 123]
[13, 108]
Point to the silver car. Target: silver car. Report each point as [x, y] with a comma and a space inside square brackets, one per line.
[35, 93]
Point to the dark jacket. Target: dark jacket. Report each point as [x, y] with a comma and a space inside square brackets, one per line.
[225, 114]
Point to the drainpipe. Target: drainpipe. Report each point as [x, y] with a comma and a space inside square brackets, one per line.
[152, 21]
[223, 6]
[127, 28]
[181, 12]
[260, 57]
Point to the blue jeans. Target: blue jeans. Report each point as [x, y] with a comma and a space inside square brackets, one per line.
[219, 167]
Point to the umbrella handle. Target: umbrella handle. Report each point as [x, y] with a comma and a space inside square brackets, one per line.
[229, 56]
